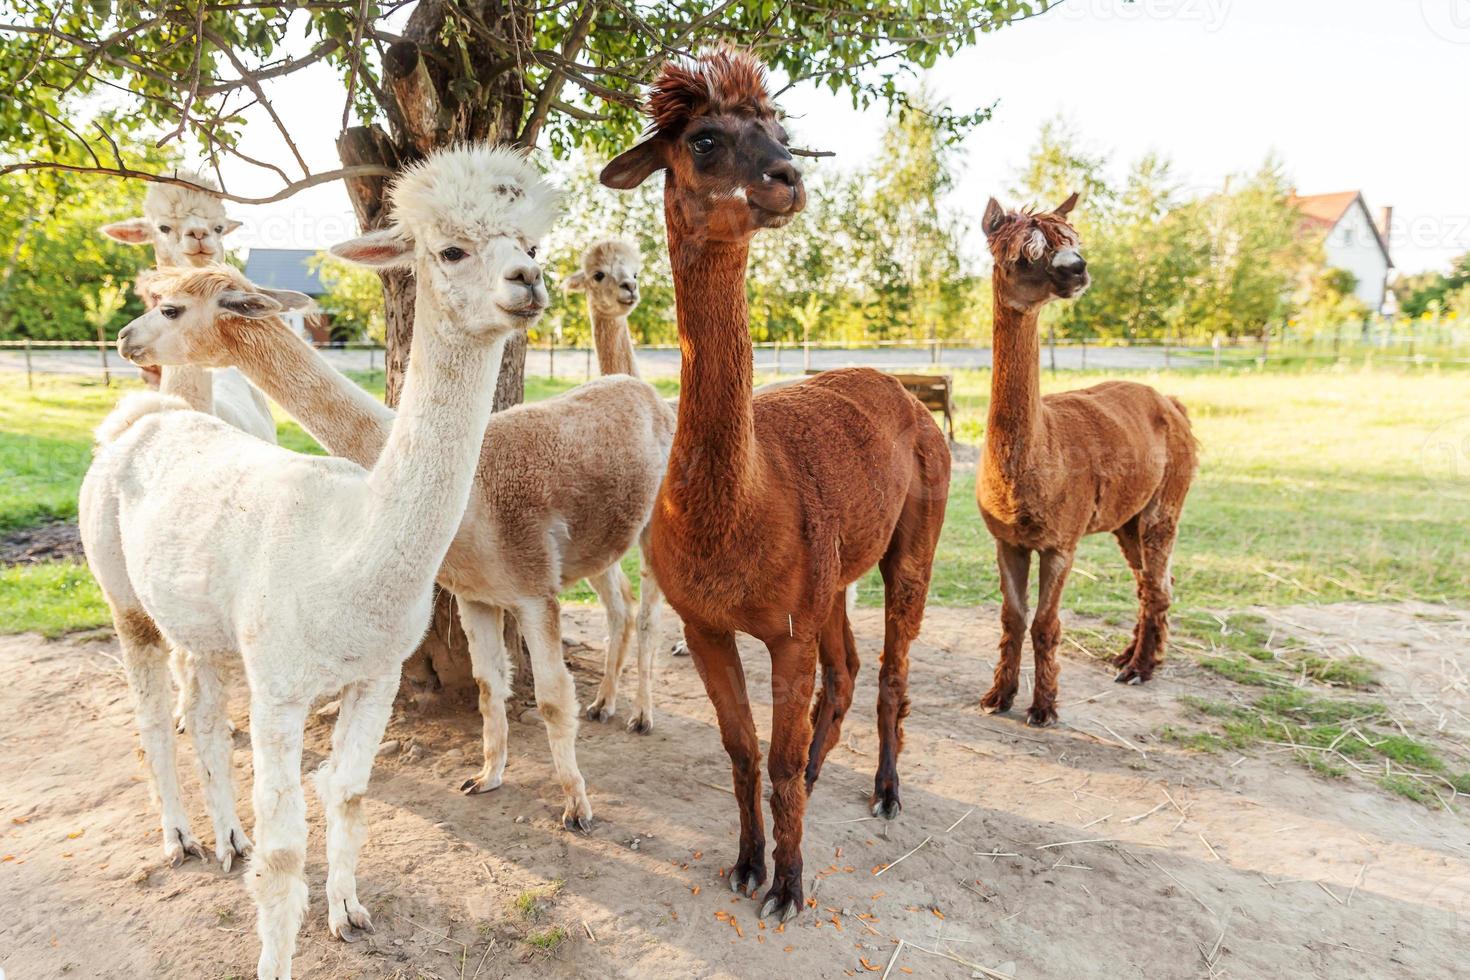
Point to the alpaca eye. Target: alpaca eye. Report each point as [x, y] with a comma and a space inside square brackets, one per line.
[452, 254]
[702, 144]
[165, 229]
[170, 312]
[531, 252]
[600, 276]
[218, 229]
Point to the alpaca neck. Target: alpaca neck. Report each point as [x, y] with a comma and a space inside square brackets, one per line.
[344, 418]
[420, 486]
[614, 344]
[714, 449]
[195, 385]
[1014, 421]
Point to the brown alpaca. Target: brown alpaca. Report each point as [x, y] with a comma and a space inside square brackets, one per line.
[1115, 457]
[772, 504]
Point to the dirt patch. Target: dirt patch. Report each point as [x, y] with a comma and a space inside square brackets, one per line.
[45, 542]
[1091, 849]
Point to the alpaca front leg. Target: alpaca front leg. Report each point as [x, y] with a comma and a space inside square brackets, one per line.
[484, 627]
[616, 593]
[145, 662]
[342, 784]
[650, 635]
[277, 879]
[1046, 633]
[793, 675]
[556, 697]
[1015, 568]
[204, 709]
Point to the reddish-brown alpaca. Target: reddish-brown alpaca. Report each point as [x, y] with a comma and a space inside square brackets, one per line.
[773, 504]
[1116, 457]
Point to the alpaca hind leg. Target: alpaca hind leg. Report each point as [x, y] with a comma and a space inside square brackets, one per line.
[556, 697]
[1132, 548]
[1046, 633]
[145, 660]
[837, 653]
[906, 569]
[616, 593]
[1015, 569]
[341, 784]
[793, 674]
[206, 714]
[484, 627]
[1156, 535]
[650, 635]
[717, 662]
[178, 666]
[277, 879]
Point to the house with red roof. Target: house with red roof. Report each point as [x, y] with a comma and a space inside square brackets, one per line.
[1351, 239]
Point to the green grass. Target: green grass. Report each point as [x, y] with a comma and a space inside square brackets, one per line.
[547, 940]
[50, 598]
[1314, 486]
[530, 903]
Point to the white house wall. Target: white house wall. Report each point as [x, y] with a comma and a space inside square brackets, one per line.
[1353, 246]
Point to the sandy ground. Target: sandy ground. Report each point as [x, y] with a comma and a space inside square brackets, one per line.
[1091, 849]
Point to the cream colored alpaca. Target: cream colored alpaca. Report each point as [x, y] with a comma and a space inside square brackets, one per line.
[564, 490]
[316, 573]
[186, 228]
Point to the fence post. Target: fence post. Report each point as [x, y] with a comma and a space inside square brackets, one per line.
[1215, 344]
[589, 362]
[102, 349]
[372, 359]
[806, 355]
[1168, 365]
[551, 356]
[778, 357]
[1051, 341]
[28, 364]
[1084, 352]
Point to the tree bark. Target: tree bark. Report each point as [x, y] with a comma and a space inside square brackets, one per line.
[437, 97]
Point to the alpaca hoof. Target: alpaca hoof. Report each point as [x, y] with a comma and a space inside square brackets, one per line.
[746, 878]
[577, 824]
[996, 704]
[352, 925]
[234, 845]
[1130, 675]
[179, 727]
[1041, 717]
[886, 804]
[599, 711]
[783, 901]
[681, 649]
[479, 784]
[180, 844]
[641, 723]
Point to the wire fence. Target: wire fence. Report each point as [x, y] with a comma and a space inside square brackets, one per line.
[1427, 345]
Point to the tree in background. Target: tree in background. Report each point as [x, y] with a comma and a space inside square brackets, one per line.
[354, 298]
[1327, 302]
[1428, 293]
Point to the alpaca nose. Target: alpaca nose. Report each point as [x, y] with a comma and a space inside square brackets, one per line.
[525, 273]
[629, 285]
[783, 172]
[1070, 263]
[199, 233]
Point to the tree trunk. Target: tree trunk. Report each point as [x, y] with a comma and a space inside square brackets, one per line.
[435, 97]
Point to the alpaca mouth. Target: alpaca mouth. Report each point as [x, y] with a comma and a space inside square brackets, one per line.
[528, 312]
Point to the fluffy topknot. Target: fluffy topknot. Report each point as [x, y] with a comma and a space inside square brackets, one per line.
[1028, 234]
[174, 202]
[610, 250]
[723, 80]
[475, 191]
[204, 282]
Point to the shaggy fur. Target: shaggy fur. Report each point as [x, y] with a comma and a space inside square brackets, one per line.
[1116, 457]
[551, 504]
[774, 504]
[316, 573]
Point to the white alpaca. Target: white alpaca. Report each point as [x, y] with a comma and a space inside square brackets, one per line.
[565, 488]
[316, 573]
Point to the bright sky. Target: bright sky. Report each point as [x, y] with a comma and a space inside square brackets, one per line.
[1351, 94]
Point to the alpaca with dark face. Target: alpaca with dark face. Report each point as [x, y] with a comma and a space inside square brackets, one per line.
[774, 503]
[1117, 457]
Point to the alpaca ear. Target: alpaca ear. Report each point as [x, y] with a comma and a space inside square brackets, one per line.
[1066, 206]
[252, 306]
[632, 167]
[134, 231]
[995, 216]
[230, 225]
[576, 282]
[385, 249]
[289, 299]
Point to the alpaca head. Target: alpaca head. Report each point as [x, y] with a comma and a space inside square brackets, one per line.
[1038, 255]
[715, 134]
[183, 224]
[609, 277]
[468, 221]
[201, 316]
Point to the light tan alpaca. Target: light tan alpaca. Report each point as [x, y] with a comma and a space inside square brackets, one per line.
[564, 489]
[609, 277]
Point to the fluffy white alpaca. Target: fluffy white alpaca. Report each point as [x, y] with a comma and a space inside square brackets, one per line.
[316, 573]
